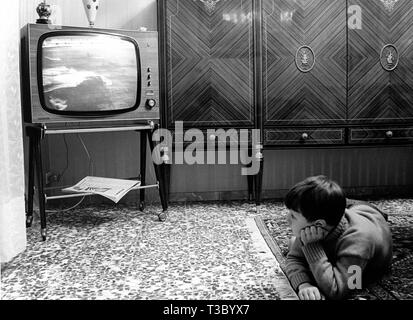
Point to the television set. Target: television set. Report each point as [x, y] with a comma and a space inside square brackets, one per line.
[77, 75]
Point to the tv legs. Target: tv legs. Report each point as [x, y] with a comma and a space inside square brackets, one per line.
[36, 135]
[29, 214]
[40, 186]
[36, 165]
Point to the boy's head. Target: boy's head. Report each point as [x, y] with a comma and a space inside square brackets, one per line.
[316, 200]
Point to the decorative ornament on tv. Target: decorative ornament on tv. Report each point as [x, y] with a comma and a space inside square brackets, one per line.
[91, 9]
[44, 11]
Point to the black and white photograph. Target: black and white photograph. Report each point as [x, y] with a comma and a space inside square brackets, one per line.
[209, 155]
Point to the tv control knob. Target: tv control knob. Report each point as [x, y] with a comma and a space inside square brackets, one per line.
[389, 134]
[150, 103]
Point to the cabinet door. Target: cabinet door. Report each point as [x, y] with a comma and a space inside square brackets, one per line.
[304, 62]
[381, 62]
[209, 53]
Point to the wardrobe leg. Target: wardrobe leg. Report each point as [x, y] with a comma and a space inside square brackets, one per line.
[160, 179]
[250, 187]
[250, 178]
[258, 185]
[167, 179]
[144, 137]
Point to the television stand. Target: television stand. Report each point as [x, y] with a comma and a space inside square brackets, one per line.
[37, 133]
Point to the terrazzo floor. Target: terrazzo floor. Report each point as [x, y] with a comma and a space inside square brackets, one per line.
[203, 251]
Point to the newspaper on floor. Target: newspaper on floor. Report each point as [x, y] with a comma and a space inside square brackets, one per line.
[113, 189]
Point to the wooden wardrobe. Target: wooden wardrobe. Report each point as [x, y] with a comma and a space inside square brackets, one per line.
[324, 73]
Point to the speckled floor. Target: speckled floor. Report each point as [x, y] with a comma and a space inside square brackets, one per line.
[202, 251]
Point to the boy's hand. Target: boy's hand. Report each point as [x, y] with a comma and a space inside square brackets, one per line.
[312, 234]
[307, 291]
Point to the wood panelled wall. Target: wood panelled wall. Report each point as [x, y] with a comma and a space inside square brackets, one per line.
[116, 155]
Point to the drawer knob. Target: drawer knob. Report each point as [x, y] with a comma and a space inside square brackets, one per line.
[389, 134]
[305, 136]
[212, 137]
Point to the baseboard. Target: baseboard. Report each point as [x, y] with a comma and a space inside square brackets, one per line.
[209, 196]
[372, 193]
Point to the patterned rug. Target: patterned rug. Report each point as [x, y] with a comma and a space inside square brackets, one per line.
[397, 285]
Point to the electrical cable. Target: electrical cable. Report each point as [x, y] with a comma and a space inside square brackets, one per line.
[91, 162]
[68, 209]
[91, 172]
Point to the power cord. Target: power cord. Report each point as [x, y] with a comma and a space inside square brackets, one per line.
[91, 162]
[91, 172]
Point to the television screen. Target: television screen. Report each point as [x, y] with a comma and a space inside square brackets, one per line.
[89, 73]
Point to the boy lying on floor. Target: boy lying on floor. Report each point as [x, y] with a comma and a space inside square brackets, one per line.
[333, 244]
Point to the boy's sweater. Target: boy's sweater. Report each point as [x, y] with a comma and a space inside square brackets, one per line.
[362, 239]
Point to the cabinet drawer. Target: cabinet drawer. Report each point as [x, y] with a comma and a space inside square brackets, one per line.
[304, 136]
[381, 135]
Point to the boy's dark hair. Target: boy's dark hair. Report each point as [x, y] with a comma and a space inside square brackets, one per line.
[317, 198]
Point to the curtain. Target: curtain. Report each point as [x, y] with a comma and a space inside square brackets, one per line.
[12, 206]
